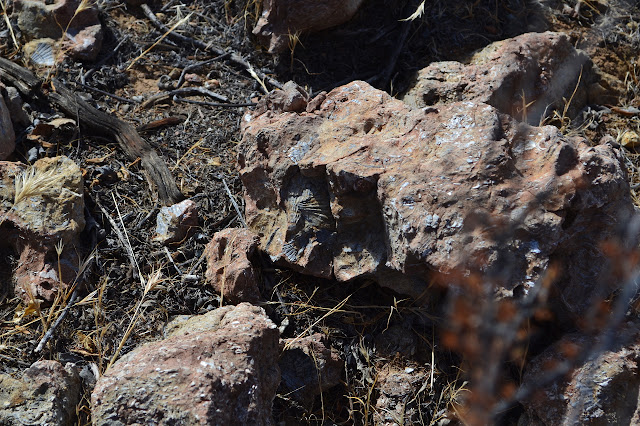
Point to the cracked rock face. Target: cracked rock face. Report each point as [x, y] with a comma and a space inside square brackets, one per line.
[360, 184]
[214, 369]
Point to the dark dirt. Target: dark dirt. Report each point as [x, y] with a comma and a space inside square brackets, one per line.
[200, 152]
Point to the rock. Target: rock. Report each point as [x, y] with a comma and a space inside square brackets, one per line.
[227, 375]
[50, 213]
[176, 222]
[602, 391]
[82, 38]
[229, 267]
[399, 391]
[7, 135]
[526, 77]
[364, 185]
[282, 19]
[16, 111]
[309, 367]
[47, 394]
[630, 139]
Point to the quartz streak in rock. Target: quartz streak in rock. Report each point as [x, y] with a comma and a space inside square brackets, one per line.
[225, 375]
[364, 185]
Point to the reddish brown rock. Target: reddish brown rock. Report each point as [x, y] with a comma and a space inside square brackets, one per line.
[52, 215]
[309, 366]
[225, 375]
[229, 267]
[526, 77]
[47, 394]
[601, 391]
[282, 19]
[364, 185]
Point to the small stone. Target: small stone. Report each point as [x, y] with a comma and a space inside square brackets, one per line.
[176, 222]
[630, 139]
[229, 267]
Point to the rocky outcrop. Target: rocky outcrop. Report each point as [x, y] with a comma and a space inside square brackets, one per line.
[360, 184]
[600, 391]
[47, 394]
[283, 19]
[49, 212]
[218, 368]
[229, 267]
[526, 77]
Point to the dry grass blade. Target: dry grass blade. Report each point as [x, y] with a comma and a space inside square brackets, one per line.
[177, 24]
[8, 22]
[415, 15]
[35, 182]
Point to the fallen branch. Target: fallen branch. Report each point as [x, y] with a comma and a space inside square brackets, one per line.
[98, 123]
[233, 57]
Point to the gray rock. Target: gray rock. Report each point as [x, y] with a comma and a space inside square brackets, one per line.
[7, 135]
[227, 375]
[175, 223]
[47, 394]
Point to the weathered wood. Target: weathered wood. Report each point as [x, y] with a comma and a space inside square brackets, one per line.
[98, 123]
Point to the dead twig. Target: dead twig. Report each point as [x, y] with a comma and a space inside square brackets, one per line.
[233, 57]
[185, 91]
[235, 204]
[215, 104]
[185, 70]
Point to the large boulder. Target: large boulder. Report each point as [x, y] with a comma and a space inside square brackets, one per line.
[215, 369]
[360, 184]
[48, 216]
[526, 77]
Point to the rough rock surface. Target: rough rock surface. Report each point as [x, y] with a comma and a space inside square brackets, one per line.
[400, 389]
[603, 391]
[175, 223]
[7, 135]
[47, 394]
[364, 185]
[309, 366]
[282, 19]
[525, 77]
[229, 267]
[225, 375]
[32, 227]
[82, 38]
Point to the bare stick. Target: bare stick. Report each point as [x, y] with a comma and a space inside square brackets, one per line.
[52, 329]
[233, 57]
[235, 204]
